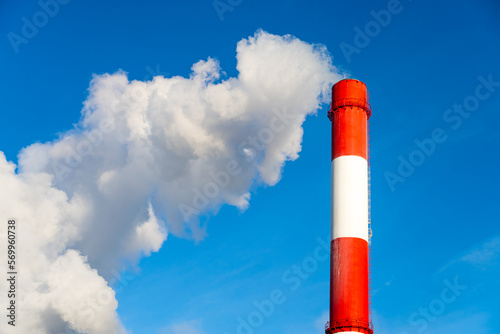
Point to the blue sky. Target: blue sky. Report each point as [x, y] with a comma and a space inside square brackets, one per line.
[435, 226]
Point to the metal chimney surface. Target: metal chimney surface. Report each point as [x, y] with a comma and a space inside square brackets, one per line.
[349, 275]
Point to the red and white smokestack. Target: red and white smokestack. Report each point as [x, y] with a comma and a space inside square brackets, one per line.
[349, 286]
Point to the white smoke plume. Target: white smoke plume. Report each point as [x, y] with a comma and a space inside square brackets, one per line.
[146, 159]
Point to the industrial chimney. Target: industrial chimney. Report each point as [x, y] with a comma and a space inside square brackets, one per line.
[349, 272]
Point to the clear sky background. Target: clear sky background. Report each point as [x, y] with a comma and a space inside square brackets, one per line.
[435, 223]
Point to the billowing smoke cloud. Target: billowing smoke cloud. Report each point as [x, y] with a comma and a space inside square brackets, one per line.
[147, 159]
